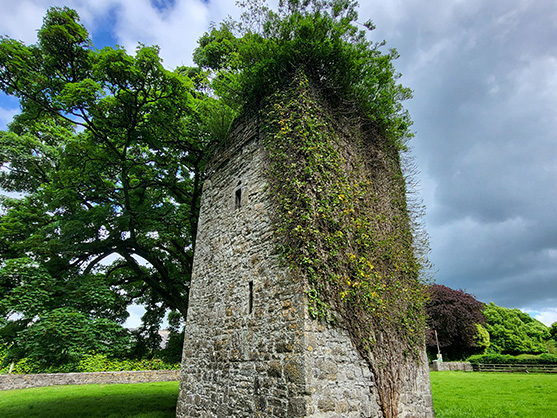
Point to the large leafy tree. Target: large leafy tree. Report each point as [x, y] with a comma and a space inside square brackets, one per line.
[515, 332]
[54, 323]
[107, 155]
[457, 318]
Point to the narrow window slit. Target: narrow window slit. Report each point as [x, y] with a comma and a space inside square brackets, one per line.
[238, 199]
[250, 302]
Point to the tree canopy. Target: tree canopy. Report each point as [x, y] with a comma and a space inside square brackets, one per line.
[553, 331]
[54, 322]
[107, 156]
[466, 326]
[261, 54]
[515, 332]
[457, 318]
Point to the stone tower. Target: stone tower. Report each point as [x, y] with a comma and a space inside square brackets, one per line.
[251, 347]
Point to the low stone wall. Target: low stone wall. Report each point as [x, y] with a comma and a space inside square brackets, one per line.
[439, 366]
[22, 381]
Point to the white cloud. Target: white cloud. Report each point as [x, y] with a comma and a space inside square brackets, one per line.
[174, 30]
[6, 116]
[134, 320]
[21, 19]
[548, 317]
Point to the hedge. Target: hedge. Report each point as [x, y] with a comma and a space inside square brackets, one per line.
[92, 363]
[545, 358]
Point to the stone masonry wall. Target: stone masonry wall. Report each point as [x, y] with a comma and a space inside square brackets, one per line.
[340, 382]
[251, 349]
[24, 381]
[243, 353]
[440, 366]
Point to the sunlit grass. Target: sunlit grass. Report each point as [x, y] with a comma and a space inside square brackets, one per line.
[141, 400]
[455, 395]
[494, 395]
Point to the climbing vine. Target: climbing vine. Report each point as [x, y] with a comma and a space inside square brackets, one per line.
[344, 228]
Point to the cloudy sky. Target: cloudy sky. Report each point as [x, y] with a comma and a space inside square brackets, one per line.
[484, 75]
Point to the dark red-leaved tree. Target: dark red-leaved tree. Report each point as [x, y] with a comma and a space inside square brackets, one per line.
[454, 314]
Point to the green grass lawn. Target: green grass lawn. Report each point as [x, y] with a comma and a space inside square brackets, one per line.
[455, 395]
[141, 400]
[494, 395]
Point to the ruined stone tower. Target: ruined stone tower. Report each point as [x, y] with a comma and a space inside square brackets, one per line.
[251, 348]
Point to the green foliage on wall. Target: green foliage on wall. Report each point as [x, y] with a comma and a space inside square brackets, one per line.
[251, 59]
[344, 228]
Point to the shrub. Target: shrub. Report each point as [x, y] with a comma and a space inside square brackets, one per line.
[92, 363]
[512, 331]
[101, 363]
[545, 358]
[551, 346]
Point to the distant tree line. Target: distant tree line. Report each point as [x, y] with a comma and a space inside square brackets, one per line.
[460, 326]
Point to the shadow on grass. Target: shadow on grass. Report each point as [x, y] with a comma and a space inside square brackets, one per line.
[143, 400]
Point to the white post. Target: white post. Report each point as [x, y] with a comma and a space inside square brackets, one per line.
[439, 356]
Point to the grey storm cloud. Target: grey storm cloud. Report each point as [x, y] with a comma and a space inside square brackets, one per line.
[484, 76]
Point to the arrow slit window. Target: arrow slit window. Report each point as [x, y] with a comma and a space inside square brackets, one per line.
[238, 196]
